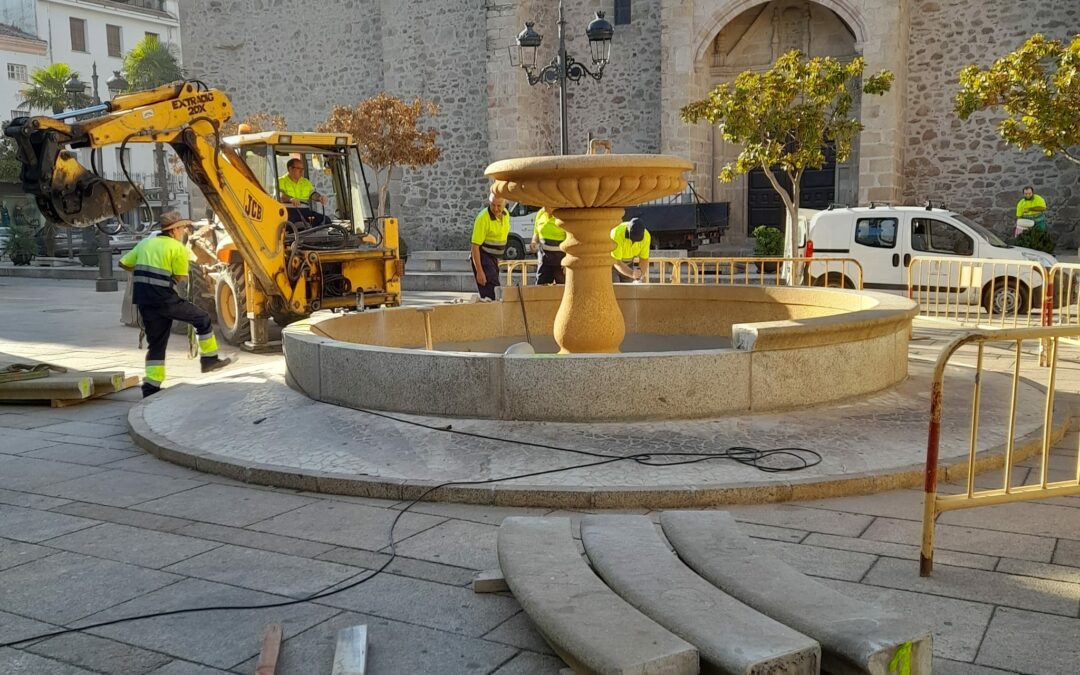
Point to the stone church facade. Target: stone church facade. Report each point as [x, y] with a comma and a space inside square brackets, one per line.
[298, 58]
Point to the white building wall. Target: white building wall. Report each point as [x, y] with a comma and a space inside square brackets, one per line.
[17, 56]
[50, 21]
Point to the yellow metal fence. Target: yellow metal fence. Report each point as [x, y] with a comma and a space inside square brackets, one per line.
[935, 503]
[744, 271]
[984, 292]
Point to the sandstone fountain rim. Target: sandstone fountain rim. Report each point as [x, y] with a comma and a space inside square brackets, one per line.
[391, 371]
[581, 166]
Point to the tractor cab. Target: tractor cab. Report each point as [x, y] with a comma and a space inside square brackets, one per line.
[331, 162]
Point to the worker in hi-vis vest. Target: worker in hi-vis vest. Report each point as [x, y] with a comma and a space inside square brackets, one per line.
[157, 263]
[632, 242]
[547, 236]
[490, 230]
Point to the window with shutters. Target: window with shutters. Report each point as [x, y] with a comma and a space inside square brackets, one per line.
[112, 36]
[78, 34]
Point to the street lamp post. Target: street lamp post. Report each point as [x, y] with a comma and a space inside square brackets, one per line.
[106, 281]
[563, 68]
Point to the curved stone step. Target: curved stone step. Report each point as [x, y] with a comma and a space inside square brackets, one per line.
[855, 637]
[591, 628]
[732, 638]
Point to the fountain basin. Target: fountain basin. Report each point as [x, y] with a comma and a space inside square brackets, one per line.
[789, 347]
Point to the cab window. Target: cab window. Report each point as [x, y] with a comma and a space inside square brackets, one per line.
[935, 236]
[876, 232]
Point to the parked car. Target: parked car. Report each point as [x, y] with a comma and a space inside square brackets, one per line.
[884, 239]
[120, 242]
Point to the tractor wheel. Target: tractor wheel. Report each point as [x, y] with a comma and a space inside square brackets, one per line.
[202, 290]
[230, 300]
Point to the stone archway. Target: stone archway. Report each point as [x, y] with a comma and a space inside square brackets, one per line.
[750, 36]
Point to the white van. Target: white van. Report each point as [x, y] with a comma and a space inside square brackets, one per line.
[522, 221]
[884, 239]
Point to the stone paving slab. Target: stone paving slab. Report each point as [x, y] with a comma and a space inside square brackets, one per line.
[119, 488]
[519, 631]
[12, 661]
[1031, 642]
[98, 654]
[455, 542]
[68, 586]
[967, 539]
[80, 454]
[225, 505]
[250, 430]
[14, 553]
[454, 609]
[264, 571]
[32, 526]
[220, 639]
[891, 550]
[132, 545]
[352, 525]
[26, 473]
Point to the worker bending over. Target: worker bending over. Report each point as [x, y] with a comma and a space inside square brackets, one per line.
[158, 263]
[547, 236]
[632, 242]
[489, 232]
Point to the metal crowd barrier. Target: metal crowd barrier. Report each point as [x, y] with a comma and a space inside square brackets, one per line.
[983, 292]
[747, 271]
[1065, 290]
[934, 503]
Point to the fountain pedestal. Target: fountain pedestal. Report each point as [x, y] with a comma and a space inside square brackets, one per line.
[587, 194]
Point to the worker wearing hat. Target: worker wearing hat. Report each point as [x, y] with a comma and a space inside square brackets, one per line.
[157, 263]
[632, 242]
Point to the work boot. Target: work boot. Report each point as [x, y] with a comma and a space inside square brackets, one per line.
[149, 390]
[213, 363]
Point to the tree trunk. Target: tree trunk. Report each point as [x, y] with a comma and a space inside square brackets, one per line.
[384, 192]
[791, 208]
[162, 179]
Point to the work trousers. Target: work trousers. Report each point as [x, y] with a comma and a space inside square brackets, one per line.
[157, 322]
[551, 270]
[490, 265]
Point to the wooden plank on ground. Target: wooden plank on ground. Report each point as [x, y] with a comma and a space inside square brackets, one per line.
[350, 656]
[271, 647]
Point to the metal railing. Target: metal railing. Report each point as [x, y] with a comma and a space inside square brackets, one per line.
[934, 503]
[1064, 285]
[748, 271]
[756, 271]
[983, 292]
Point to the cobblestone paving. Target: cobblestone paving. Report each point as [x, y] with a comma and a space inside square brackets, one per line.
[91, 528]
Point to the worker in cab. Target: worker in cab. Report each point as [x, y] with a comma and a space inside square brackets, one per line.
[547, 236]
[632, 243]
[298, 192]
[157, 264]
[489, 232]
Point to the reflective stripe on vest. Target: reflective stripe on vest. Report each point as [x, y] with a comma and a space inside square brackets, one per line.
[494, 248]
[550, 245]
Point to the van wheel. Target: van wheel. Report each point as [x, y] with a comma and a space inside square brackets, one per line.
[515, 248]
[1003, 297]
[834, 280]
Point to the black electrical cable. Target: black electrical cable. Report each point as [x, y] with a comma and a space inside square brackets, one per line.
[745, 456]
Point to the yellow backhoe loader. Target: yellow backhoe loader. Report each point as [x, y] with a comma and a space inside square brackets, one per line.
[280, 261]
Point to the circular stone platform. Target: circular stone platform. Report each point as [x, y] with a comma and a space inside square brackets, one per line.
[255, 428]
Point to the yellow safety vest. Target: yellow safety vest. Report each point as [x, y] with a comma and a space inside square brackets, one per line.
[626, 250]
[300, 189]
[155, 261]
[548, 231]
[1036, 202]
[489, 233]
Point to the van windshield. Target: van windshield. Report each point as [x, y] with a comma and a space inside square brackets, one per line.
[986, 234]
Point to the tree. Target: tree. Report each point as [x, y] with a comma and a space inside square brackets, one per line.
[151, 63]
[10, 167]
[784, 117]
[259, 122]
[387, 131]
[1038, 87]
[46, 89]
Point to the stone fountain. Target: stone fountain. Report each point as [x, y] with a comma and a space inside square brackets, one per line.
[588, 194]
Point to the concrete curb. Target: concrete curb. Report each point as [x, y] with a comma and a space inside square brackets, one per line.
[583, 497]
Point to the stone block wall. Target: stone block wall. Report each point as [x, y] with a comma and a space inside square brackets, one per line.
[966, 164]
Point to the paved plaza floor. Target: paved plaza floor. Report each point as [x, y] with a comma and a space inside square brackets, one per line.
[92, 528]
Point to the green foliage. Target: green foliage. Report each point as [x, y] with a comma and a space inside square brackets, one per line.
[1036, 238]
[1038, 88]
[20, 239]
[151, 63]
[46, 89]
[783, 118]
[767, 241]
[9, 164]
